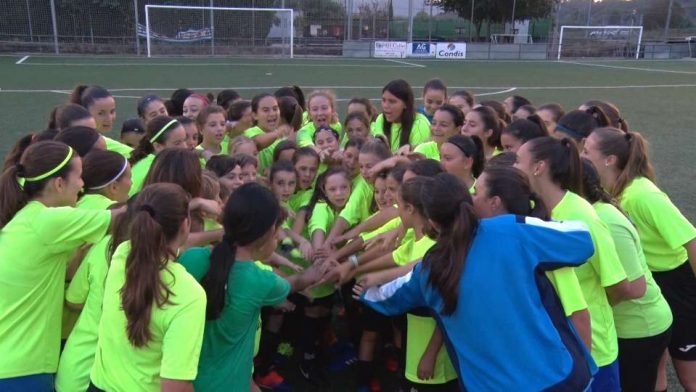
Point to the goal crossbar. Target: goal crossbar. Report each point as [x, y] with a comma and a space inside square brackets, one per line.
[639, 28]
[150, 6]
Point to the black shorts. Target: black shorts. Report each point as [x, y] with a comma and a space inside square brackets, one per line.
[451, 386]
[639, 360]
[373, 321]
[679, 289]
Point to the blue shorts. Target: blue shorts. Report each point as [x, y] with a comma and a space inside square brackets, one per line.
[35, 382]
[607, 379]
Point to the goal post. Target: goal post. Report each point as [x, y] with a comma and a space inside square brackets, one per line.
[604, 40]
[201, 30]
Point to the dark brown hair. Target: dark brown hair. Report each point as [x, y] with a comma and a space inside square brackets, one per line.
[401, 90]
[612, 112]
[492, 122]
[526, 129]
[290, 112]
[631, 151]
[371, 111]
[37, 159]
[236, 110]
[179, 166]
[145, 147]
[87, 95]
[447, 203]
[159, 212]
[512, 187]
[562, 160]
[101, 167]
[80, 138]
[68, 113]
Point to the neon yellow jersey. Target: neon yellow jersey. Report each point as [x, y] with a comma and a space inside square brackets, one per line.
[411, 249]
[300, 199]
[649, 315]
[430, 150]
[357, 208]
[86, 288]
[94, 201]
[265, 156]
[420, 329]
[323, 218]
[305, 136]
[35, 247]
[225, 145]
[116, 146]
[662, 228]
[389, 226]
[568, 289]
[139, 173]
[602, 270]
[176, 330]
[420, 132]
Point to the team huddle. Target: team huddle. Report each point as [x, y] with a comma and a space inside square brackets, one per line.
[460, 245]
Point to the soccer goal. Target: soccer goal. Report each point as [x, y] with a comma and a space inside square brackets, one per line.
[600, 41]
[192, 30]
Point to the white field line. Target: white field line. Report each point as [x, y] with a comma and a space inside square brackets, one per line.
[628, 68]
[23, 59]
[220, 64]
[497, 89]
[406, 63]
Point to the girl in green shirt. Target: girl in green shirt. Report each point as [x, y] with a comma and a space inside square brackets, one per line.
[643, 325]
[667, 237]
[162, 132]
[321, 106]
[107, 178]
[267, 132]
[39, 232]
[237, 288]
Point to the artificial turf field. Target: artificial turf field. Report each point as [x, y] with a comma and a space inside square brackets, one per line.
[656, 97]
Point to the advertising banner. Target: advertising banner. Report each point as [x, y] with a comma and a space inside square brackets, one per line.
[390, 49]
[421, 49]
[451, 50]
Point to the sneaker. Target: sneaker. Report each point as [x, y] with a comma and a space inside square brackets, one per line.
[375, 385]
[272, 380]
[313, 375]
[342, 358]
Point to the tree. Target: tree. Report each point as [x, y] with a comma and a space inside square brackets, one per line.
[498, 11]
[320, 12]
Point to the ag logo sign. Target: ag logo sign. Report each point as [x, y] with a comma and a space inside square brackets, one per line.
[421, 49]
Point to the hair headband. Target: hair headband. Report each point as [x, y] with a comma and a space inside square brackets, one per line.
[570, 132]
[161, 131]
[116, 177]
[49, 173]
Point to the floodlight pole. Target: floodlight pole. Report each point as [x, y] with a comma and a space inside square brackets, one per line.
[514, 5]
[668, 21]
[471, 19]
[410, 20]
[55, 26]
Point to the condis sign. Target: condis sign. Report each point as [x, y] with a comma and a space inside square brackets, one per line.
[450, 50]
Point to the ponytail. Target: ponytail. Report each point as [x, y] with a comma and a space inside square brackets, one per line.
[157, 131]
[562, 160]
[491, 122]
[512, 187]
[251, 211]
[592, 187]
[18, 149]
[26, 179]
[159, 212]
[631, 151]
[447, 203]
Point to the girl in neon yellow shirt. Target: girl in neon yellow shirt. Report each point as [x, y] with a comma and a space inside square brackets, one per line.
[162, 132]
[39, 232]
[554, 171]
[102, 106]
[483, 122]
[521, 131]
[211, 123]
[463, 157]
[267, 132]
[404, 128]
[643, 325]
[667, 237]
[321, 106]
[107, 179]
[153, 312]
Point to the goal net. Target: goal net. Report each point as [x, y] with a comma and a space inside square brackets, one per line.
[600, 41]
[189, 30]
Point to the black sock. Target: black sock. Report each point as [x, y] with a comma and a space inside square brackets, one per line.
[267, 349]
[365, 371]
[310, 335]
